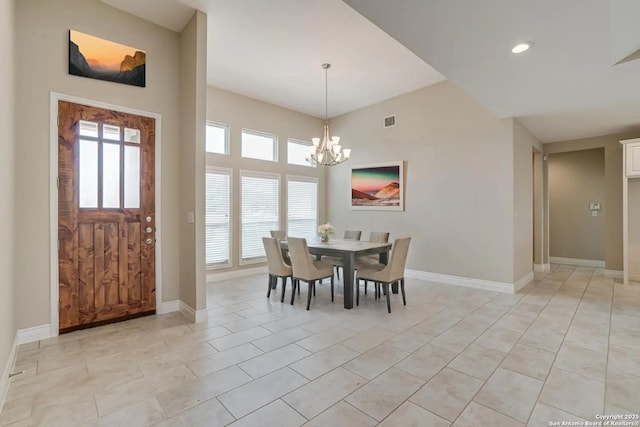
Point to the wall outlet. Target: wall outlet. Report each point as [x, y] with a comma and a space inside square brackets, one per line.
[594, 213]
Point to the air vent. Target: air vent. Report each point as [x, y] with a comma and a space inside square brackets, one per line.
[390, 121]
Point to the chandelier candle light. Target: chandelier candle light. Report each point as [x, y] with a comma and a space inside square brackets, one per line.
[328, 152]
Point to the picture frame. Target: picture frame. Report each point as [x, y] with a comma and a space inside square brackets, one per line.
[378, 186]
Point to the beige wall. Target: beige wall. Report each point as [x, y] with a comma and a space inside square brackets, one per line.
[613, 187]
[538, 209]
[41, 62]
[575, 180]
[7, 78]
[459, 167]
[193, 73]
[523, 145]
[240, 112]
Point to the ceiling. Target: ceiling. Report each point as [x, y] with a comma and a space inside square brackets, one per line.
[565, 87]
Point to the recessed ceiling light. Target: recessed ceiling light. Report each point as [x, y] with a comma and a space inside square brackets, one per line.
[521, 47]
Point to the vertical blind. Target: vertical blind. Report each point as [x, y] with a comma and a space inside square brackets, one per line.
[302, 208]
[217, 235]
[260, 213]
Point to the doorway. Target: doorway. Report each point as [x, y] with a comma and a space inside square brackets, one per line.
[106, 216]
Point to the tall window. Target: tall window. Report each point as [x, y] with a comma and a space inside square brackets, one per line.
[260, 197]
[218, 230]
[217, 138]
[302, 207]
[257, 145]
[296, 151]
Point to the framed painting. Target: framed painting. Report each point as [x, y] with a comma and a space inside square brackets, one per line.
[378, 187]
[102, 59]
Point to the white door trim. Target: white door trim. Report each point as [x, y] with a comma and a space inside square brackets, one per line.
[53, 194]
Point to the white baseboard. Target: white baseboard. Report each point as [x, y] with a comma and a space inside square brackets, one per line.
[616, 274]
[191, 314]
[36, 333]
[168, 307]
[461, 281]
[217, 277]
[8, 369]
[577, 261]
[541, 267]
[523, 281]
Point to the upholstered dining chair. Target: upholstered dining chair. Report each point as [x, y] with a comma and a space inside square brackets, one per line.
[306, 269]
[275, 265]
[337, 261]
[281, 235]
[383, 275]
[375, 237]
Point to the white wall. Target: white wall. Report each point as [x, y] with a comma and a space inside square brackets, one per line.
[459, 167]
[240, 112]
[41, 62]
[7, 78]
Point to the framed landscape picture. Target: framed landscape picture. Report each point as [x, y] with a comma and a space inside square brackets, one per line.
[102, 59]
[378, 187]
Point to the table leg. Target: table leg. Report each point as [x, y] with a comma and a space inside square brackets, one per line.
[348, 266]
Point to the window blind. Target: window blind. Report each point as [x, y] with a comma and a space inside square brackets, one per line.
[260, 213]
[217, 233]
[302, 208]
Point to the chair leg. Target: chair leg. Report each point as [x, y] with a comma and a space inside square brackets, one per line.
[270, 284]
[296, 283]
[331, 288]
[338, 272]
[311, 285]
[386, 288]
[357, 292]
[314, 288]
[366, 282]
[284, 286]
[404, 298]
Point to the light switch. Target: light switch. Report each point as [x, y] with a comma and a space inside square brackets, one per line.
[191, 218]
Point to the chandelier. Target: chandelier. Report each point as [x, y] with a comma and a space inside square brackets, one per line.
[328, 152]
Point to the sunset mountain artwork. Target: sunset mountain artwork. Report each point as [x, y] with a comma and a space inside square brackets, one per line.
[101, 59]
[377, 187]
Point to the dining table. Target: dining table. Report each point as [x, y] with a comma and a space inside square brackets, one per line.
[348, 251]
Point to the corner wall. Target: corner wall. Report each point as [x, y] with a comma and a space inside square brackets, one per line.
[459, 181]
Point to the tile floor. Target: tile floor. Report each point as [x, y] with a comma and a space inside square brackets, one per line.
[566, 348]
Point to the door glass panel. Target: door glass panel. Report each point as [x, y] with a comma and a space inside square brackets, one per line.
[110, 175]
[88, 128]
[112, 133]
[131, 177]
[132, 135]
[88, 174]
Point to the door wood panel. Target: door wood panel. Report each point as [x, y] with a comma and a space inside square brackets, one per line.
[106, 255]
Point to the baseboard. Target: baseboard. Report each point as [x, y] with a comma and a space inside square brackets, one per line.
[8, 369]
[577, 261]
[523, 281]
[168, 307]
[461, 281]
[36, 333]
[615, 274]
[191, 314]
[541, 267]
[227, 275]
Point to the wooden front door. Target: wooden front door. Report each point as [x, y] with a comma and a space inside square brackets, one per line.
[106, 216]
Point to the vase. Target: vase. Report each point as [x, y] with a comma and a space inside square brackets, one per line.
[324, 238]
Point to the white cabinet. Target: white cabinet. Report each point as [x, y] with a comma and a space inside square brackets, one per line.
[632, 154]
[631, 209]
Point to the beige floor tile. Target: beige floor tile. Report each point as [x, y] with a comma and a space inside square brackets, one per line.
[141, 414]
[542, 338]
[369, 339]
[276, 413]
[274, 360]
[399, 324]
[344, 415]
[476, 415]
[499, 339]
[578, 395]
[322, 324]
[529, 361]
[384, 394]
[478, 361]
[582, 361]
[594, 340]
[197, 337]
[291, 321]
[448, 393]
[78, 412]
[281, 339]
[223, 359]
[16, 410]
[412, 339]
[623, 391]
[624, 361]
[313, 398]
[545, 415]
[625, 337]
[426, 361]
[142, 389]
[251, 396]
[179, 399]
[440, 322]
[239, 338]
[455, 338]
[325, 339]
[324, 361]
[514, 322]
[69, 376]
[377, 360]
[409, 414]
[210, 413]
[510, 393]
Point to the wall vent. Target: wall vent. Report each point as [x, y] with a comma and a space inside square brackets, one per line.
[389, 121]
